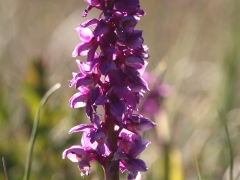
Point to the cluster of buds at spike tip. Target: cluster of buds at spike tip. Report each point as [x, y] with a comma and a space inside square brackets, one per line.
[111, 77]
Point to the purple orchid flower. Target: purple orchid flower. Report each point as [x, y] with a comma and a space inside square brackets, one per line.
[131, 145]
[112, 78]
[93, 137]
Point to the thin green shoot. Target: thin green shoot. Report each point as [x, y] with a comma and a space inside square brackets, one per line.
[223, 119]
[34, 130]
[199, 177]
[5, 168]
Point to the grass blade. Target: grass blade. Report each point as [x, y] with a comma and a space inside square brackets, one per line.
[223, 118]
[5, 168]
[34, 130]
[199, 177]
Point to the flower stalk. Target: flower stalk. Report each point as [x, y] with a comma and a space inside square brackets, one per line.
[111, 170]
[111, 77]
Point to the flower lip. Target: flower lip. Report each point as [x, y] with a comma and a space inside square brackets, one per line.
[72, 151]
[78, 100]
[80, 48]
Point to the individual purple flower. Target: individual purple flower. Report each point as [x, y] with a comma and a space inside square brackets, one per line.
[77, 154]
[136, 123]
[111, 78]
[93, 137]
[80, 98]
[131, 145]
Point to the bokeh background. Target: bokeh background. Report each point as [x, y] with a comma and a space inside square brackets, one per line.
[195, 55]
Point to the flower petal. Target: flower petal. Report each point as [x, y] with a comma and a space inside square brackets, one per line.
[84, 167]
[120, 155]
[101, 28]
[118, 108]
[135, 40]
[136, 165]
[93, 2]
[80, 48]
[89, 22]
[85, 34]
[81, 127]
[138, 146]
[78, 100]
[103, 149]
[84, 81]
[134, 61]
[72, 152]
[141, 123]
[101, 100]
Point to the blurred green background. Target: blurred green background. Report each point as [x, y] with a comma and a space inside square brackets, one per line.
[194, 47]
